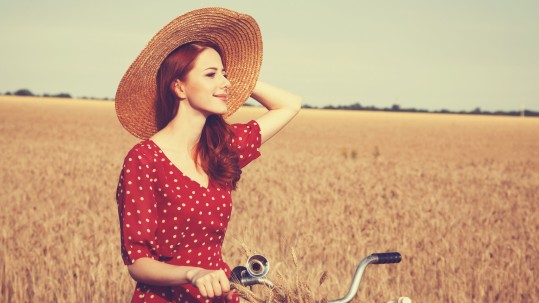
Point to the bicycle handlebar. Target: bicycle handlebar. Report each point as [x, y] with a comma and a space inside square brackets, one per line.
[387, 258]
[379, 258]
[249, 275]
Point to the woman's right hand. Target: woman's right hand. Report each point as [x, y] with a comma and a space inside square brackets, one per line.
[210, 283]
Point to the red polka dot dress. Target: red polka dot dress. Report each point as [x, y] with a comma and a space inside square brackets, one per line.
[166, 216]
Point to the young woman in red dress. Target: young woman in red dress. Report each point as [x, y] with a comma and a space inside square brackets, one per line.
[174, 191]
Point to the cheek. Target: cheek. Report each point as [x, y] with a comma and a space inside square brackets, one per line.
[200, 93]
[201, 88]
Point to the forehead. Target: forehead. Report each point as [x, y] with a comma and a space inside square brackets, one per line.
[208, 58]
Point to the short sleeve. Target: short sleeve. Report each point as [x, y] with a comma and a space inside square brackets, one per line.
[246, 142]
[137, 209]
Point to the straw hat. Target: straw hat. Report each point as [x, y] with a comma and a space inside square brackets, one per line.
[240, 42]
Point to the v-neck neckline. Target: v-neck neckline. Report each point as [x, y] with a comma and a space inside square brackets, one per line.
[207, 187]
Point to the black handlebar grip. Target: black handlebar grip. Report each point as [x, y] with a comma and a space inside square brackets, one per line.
[385, 258]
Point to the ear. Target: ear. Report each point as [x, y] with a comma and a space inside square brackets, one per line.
[178, 87]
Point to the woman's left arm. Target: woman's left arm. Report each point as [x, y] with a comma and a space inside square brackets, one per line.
[282, 107]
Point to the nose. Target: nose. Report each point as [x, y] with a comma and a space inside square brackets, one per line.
[226, 83]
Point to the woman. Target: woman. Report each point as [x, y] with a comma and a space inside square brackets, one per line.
[174, 192]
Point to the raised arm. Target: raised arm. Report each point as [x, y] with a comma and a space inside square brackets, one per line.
[282, 107]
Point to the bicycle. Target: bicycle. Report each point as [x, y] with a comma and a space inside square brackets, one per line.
[257, 268]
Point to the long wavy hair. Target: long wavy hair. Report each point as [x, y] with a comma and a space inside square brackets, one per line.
[212, 150]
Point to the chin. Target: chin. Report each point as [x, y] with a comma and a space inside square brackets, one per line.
[222, 110]
[218, 111]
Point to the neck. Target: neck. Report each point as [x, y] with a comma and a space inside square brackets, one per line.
[183, 132]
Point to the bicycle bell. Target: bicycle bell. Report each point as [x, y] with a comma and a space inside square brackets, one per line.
[257, 266]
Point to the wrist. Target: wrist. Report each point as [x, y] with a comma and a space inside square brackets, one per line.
[191, 274]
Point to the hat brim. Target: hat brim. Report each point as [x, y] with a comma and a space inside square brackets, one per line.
[239, 39]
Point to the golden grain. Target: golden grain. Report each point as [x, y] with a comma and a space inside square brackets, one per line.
[456, 195]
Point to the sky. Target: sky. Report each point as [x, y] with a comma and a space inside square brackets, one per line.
[455, 55]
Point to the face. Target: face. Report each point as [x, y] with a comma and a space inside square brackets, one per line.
[205, 88]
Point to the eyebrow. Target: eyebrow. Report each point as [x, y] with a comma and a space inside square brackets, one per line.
[213, 68]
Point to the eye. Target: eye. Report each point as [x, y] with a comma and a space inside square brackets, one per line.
[225, 74]
[211, 75]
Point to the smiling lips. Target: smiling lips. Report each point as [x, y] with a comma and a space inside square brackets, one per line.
[223, 97]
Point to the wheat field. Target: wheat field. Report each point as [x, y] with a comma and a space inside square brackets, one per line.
[457, 196]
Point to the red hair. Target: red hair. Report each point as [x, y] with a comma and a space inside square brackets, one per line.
[216, 159]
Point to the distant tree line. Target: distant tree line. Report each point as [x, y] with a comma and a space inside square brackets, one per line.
[28, 93]
[355, 106]
[397, 108]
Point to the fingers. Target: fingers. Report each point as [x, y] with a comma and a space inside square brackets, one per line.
[202, 290]
[230, 295]
[216, 287]
[225, 284]
[209, 290]
[212, 283]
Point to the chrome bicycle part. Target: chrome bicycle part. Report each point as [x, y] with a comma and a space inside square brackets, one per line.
[253, 273]
[380, 258]
[258, 266]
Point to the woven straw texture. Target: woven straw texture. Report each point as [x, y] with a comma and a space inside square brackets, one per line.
[239, 39]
